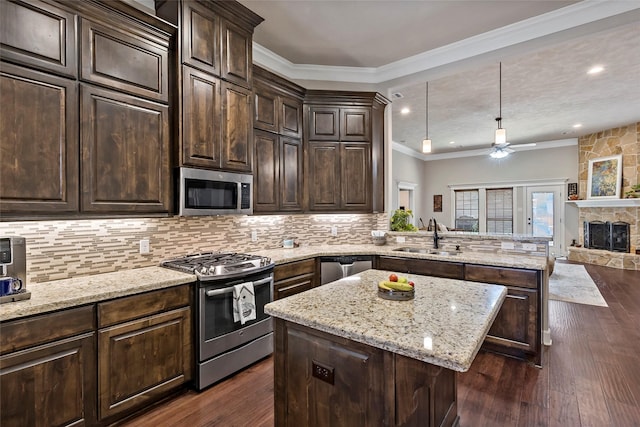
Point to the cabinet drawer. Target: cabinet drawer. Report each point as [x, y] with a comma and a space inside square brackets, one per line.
[136, 306]
[292, 269]
[451, 270]
[502, 276]
[293, 286]
[124, 61]
[40, 35]
[23, 333]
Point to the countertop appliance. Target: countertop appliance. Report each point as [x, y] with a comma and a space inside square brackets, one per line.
[333, 268]
[223, 345]
[13, 264]
[207, 192]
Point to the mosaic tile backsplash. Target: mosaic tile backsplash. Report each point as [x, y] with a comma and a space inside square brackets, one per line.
[71, 248]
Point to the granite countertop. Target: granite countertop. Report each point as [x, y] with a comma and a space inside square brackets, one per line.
[444, 325]
[67, 293]
[281, 256]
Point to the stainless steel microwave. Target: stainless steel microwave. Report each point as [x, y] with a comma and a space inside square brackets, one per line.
[206, 192]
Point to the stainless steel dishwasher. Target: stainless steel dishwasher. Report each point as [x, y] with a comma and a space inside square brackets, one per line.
[333, 268]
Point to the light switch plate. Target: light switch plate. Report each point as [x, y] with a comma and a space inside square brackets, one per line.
[529, 247]
[334, 231]
[506, 246]
[400, 239]
[144, 246]
[254, 236]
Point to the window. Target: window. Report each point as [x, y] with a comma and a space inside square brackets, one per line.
[467, 210]
[500, 210]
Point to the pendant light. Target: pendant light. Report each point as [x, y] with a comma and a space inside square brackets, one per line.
[426, 142]
[501, 134]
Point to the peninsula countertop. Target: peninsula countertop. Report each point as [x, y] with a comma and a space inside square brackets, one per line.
[444, 325]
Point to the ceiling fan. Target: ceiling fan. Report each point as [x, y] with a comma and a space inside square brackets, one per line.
[499, 151]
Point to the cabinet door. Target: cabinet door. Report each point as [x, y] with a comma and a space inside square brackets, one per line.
[265, 108]
[141, 361]
[324, 176]
[291, 174]
[125, 153]
[40, 35]
[293, 286]
[266, 180]
[451, 270]
[201, 124]
[49, 385]
[515, 324]
[39, 134]
[237, 135]
[324, 123]
[355, 124]
[200, 37]
[124, 61]
[290, 117]
[356, 176]
[237, 61]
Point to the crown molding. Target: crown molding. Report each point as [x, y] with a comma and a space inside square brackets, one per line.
[566, 18]
[479, 152]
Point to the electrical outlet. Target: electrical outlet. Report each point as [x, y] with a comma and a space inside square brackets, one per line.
[254, 236]
[334, 230]
[507, 246]
[400, 239]
[144, 246]
[529, 247]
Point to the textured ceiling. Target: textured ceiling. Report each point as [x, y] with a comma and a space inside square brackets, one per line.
[545, 88]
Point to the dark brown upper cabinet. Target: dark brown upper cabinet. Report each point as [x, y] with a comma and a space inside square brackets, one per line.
[42, 175]
[265, 108]
[124, 60]
[200, 37]
[124, 144]
[345, 151]
[237, 56]
[39, 35]
[237, 135]
[277, 104]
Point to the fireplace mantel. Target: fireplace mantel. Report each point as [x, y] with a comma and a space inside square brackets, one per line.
[605, 203]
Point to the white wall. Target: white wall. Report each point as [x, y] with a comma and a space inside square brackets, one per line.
[547, 164]
[408, 169]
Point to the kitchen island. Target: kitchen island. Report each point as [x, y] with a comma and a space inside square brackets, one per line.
[344, 356]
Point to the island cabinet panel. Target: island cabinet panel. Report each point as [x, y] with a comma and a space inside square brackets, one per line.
[515, 324]
[145, 352]
[47, 369]
[124, 60]
[294, 277]
[451, 270]
[42, 176]
[502, 276]
[39, 35]
[124, 143]
[322, 379]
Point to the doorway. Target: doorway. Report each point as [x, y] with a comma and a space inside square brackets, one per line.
[545, 211]
[406, 198]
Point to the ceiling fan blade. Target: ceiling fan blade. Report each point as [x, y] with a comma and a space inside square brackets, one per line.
[531, 144]
[507, 150]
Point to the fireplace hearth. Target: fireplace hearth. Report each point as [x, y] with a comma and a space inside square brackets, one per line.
[610, 236]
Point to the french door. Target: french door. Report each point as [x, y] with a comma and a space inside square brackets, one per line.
[545, 210]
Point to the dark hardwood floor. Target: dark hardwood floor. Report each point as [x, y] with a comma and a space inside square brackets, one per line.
[591, 375]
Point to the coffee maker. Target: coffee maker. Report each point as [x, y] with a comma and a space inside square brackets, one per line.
[13, 269]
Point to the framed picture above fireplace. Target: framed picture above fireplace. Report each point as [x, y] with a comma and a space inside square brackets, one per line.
[604, 178]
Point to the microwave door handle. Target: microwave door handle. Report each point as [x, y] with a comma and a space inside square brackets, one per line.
[214, 292]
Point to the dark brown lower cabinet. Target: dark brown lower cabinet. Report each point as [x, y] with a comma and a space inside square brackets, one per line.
[142, 359]
[322, 379]
[49, 380]
[450, 270]
[294, 277]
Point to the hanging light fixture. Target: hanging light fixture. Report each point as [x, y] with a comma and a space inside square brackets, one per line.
[426, 142]
[501, 133]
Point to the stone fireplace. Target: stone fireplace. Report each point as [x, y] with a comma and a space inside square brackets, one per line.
[626, 141]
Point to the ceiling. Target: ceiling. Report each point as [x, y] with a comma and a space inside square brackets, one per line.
[546, 49]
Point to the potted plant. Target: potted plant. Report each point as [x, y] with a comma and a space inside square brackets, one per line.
[401, 221]
[634, 193]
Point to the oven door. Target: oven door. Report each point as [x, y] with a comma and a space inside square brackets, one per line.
[218, 332]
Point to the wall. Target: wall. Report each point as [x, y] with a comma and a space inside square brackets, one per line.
[71, 248]
[547, 164]
[411, 170]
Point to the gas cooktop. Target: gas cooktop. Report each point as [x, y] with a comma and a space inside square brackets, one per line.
[219, 265]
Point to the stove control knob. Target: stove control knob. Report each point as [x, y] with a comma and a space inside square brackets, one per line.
[212, 270]
[202, 270]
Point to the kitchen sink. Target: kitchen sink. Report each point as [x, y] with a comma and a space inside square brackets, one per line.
[427, 251]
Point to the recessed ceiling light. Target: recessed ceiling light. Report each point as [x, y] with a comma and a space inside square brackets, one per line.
[596, 69]
[577, 125]
[452, 142]
[405, 110]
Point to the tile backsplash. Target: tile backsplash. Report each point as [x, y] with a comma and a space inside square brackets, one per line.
[71, 248]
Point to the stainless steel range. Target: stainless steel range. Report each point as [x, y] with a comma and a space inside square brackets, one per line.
[225, 344]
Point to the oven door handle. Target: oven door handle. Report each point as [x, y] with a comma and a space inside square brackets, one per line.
[214, 292]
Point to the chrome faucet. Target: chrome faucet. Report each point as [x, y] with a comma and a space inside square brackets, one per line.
[435, 234]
